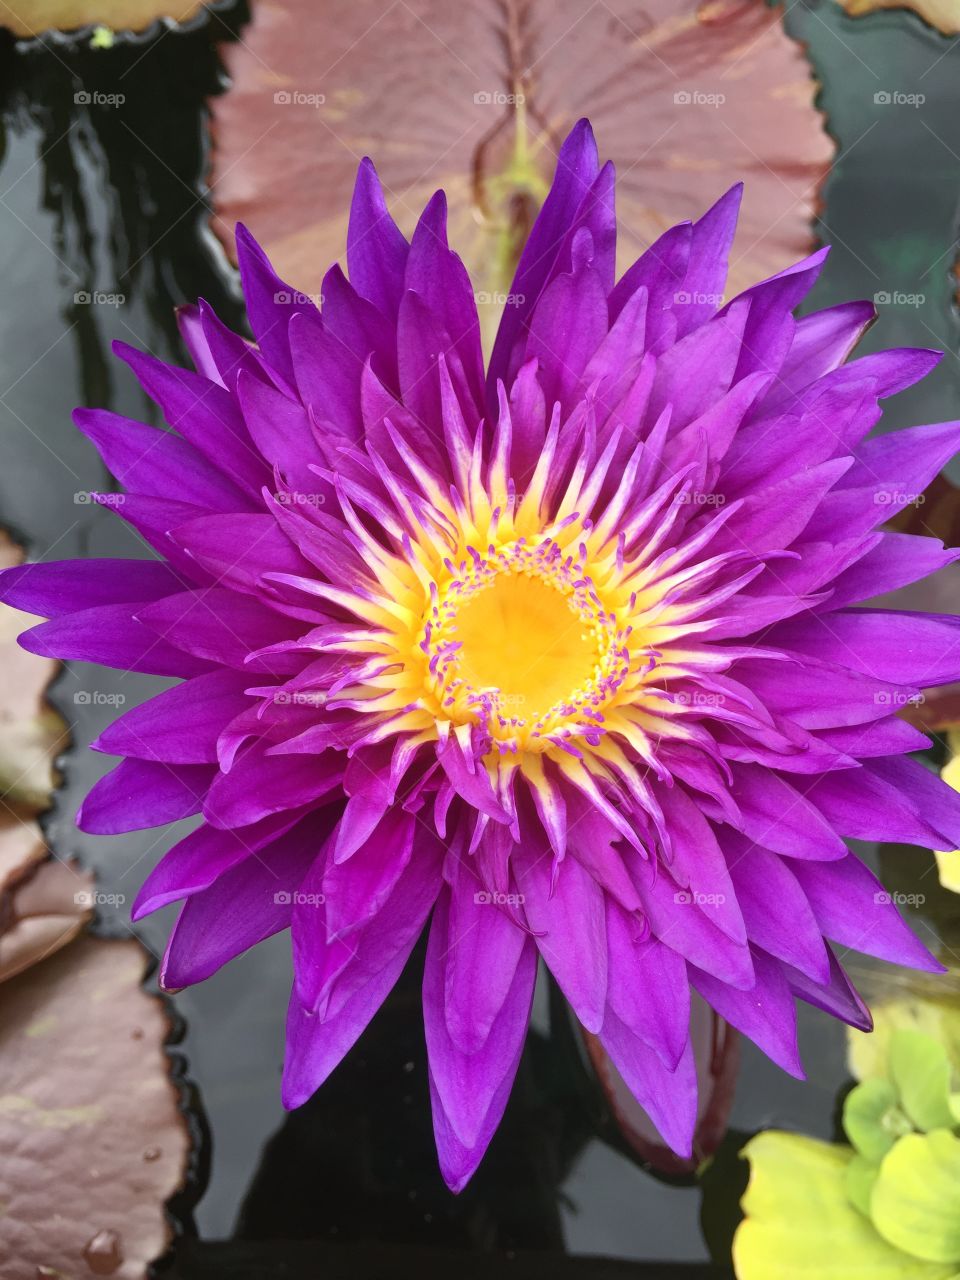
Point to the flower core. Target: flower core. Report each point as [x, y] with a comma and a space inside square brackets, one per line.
[521, 642]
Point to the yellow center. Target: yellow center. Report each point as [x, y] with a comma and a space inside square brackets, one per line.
[521, 637]
[520, 643]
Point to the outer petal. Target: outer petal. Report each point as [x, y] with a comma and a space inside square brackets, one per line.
[467, 1084]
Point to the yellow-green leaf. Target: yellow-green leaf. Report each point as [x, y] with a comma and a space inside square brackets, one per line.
[801, 1226]
[920, 1071]
[872, 1119]
[915, 1203]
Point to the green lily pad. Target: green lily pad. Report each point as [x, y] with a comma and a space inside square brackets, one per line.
[915, 1203]
[920, 1070]
[800, 1223]
[860, 1177]
[872, 1119]
[934, 1012]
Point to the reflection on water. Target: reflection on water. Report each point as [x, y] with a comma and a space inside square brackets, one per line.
[103, 230]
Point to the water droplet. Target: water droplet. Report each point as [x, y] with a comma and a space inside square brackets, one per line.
[152, 1153]
[103, 1254]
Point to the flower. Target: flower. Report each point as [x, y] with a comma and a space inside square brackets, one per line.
[561, 656]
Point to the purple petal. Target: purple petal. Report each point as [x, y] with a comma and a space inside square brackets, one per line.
[467, 1083]
[139, 793]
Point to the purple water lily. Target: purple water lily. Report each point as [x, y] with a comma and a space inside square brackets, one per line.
[560, 655]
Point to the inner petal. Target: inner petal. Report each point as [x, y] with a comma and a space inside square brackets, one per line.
[520, 635]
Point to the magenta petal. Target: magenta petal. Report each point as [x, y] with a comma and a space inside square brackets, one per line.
[111, 635]
[67, 586]
[259, 785]
[467, 1083]
[376, 249]
[669, 1097]
[853, 908]
[458, 1163]
[329, 973]
[181, 725]
[247, 903]
[202, 857]
[359, 887]
[569, 923]
[140, 793]
[315, 1046]
[648, 989]
[766, 1013]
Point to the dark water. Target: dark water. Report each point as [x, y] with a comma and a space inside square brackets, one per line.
[97, 202]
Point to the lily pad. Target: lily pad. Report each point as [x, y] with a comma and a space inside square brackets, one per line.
[31, 733]
[33, 17]
[870, 1119]
[934, 1011]
[942, 14]
[860, 1177]
[915, 1203]
[42, 913]
[92, 1142]
[800, 1223]
[685, 96]
[920, 1070]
